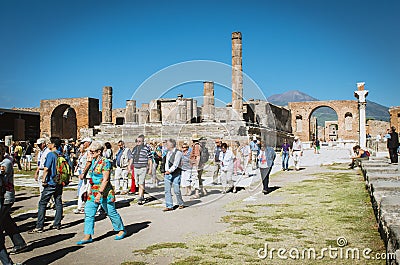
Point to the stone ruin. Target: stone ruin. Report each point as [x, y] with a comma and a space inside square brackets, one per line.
[182, 117]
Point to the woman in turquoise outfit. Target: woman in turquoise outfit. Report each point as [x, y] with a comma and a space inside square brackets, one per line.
[101, 192]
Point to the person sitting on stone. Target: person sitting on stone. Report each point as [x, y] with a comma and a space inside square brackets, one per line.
[359, 155]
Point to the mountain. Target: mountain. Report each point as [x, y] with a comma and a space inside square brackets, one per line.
[377, 111]
[293, 95]
[374, 110]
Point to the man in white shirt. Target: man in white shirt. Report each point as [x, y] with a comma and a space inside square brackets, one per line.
[172, 176]
[297, 152]
[44, 150]
[227, 158]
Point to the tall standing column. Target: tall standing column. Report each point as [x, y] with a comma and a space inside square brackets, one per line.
[237, 76]
[130, 112]
[208, 111]
[107, 105]
[361, 95]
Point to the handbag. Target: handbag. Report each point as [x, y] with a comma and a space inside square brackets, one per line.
[85, 190]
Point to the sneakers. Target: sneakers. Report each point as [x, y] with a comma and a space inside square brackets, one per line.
[55, 227]
[36, 230]
[140, 201]
[18, 249]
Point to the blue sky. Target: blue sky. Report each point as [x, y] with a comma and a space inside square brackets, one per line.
[56, 49]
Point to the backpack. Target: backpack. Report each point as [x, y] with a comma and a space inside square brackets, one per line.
[204, 155]
[63, 171]
[368, 153]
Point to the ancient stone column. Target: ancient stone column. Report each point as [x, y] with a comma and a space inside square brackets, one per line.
[208, 111]
[155, 112]
[189, 109]
[107, 105]
[143, 116]
[361, 94]
[181, 110]
[195, 108]
[237, 76]
[130, 112]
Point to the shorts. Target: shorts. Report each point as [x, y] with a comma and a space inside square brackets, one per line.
[140, 175]
[186, 178]
[121, 173]
[28, 158]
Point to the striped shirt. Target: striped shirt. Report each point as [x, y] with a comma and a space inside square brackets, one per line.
[141, 155]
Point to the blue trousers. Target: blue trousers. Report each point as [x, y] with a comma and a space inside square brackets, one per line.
[47, 193]
[109, 207]
[174, 181]
[285, 160]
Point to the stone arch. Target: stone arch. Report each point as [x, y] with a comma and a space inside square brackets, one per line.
[53, 111]
[330, 131]
[63, 122]
[341, 107]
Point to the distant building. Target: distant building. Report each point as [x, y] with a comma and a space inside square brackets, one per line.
[20, 123]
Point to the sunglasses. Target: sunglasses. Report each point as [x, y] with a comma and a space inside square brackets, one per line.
[92, 152]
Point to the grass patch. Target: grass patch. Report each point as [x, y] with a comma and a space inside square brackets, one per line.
[152, 248]
[255, 246]
[202, 250]
[219, 245]
[223, 256]
[238, 219]
[133, 263]
[244, 232]
[187, 261]
[311, 213]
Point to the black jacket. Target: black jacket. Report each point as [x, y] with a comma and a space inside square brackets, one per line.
[393, 142]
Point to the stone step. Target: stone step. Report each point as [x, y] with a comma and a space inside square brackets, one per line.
[383, 170]
[382, 185]
[382, 176]
[374, 164]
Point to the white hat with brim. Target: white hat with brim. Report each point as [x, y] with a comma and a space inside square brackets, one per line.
[41, 141]
[195, 137]
[86, 139]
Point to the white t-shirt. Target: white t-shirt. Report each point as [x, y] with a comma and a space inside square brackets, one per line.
[42, 157]
[226, 159]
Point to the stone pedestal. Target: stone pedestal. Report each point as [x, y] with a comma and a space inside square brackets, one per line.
[237, 76]
[107, 105]
[130, 112]
[361, 95]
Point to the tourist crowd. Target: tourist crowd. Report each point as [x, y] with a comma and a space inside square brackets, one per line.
[104, 173]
